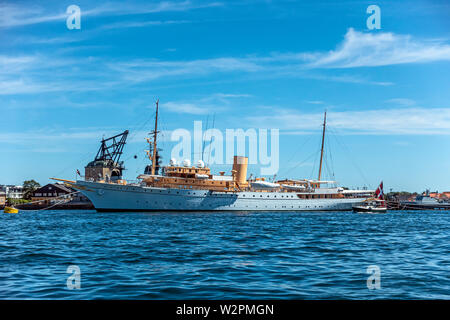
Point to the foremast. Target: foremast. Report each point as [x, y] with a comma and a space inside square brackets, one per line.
[152, 145]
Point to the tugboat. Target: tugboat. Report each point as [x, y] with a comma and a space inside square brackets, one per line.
[373, 205]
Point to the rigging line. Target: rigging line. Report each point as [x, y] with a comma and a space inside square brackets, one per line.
[83, 158]
[329, 159]
[327, 166]
[210, 142]
[304, 161]
[203, 140]
[317, 153]
[348, 153]
[295, 153]
[311, 176]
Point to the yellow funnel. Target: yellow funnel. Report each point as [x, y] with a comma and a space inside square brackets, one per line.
[240, 165]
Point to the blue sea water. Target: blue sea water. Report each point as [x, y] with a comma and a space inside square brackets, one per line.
[278, 255]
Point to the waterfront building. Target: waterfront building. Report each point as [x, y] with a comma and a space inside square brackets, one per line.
[2, 199]
[51, 192]
[12, 191]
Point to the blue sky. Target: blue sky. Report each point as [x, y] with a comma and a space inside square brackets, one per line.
[254, 64]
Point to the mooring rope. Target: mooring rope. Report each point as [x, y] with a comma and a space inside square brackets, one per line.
[53, 205]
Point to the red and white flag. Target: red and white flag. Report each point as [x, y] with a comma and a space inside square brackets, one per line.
[379, 194]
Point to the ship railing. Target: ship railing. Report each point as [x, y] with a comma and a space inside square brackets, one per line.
[134, 182]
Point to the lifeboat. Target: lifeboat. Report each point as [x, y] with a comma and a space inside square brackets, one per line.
[259, 184]
[295, 187]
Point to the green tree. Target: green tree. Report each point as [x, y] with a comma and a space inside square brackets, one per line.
[28, 187]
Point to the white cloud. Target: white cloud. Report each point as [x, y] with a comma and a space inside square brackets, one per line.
[191, 108]
[140, 24]
[405, 121]
[12, 15]
[31, 74]
[147, 70]
[402, 102]
[380, 49]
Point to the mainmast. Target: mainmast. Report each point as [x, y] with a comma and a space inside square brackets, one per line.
[323, 142]
[155, 133]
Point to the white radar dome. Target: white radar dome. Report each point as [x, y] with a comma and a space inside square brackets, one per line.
[173, 162]
[186, 162]
[200, 164]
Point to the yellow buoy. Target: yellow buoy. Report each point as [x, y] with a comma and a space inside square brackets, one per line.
[10, 210]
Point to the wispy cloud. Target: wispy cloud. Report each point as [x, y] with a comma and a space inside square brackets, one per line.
[35, 73]
[189, 108]
[380, 49]
[140, 24]
[402, 102]
[214, 103]
[147, 70]
[13, 15]
[405, 121]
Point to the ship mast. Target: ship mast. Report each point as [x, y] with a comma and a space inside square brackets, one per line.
[155, 132]
[323, 142]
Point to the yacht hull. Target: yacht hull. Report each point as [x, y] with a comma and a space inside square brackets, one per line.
[115, 197]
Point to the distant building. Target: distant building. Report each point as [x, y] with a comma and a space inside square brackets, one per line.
[54, 192]
[443, 195]
[12, 191]
[51, 192]
[2, 199]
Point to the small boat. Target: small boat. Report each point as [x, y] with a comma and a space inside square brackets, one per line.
[373, 205]
[10, 210]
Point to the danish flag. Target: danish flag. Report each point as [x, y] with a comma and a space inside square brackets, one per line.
[379, 194]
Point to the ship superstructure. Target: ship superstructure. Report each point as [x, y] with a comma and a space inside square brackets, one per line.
[186, 187]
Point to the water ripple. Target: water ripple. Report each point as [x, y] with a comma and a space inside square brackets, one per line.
[321, 255]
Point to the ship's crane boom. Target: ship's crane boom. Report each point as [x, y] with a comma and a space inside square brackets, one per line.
[111, 149]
